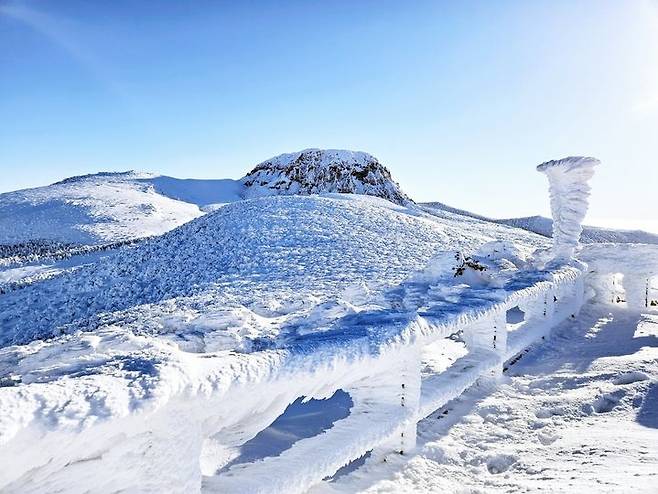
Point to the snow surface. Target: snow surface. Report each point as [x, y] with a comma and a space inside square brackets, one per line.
[93, 209]
[249, 271]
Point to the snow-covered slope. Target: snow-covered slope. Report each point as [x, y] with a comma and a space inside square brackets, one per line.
[100, 208]
[314, 171]
[255, 268]
[436, 207]
[108, 208]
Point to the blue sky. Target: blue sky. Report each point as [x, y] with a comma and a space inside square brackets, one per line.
[461, 100]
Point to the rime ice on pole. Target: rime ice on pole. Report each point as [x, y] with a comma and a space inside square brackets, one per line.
[569, 189]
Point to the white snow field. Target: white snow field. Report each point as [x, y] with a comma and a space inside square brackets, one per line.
[329, 342]
[101, 208]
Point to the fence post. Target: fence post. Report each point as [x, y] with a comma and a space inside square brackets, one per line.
[410, 397]
[401, 390]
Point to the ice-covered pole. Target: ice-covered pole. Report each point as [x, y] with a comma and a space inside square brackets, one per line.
[569, 189]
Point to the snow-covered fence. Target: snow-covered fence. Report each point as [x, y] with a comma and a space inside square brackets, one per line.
[389, 383]
[623, 272]
[178, 433]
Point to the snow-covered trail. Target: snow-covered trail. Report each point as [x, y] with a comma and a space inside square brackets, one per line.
[578, 413]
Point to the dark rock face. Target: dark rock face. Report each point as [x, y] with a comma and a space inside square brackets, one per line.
[314, 171]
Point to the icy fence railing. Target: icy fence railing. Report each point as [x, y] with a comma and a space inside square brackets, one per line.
[176, 433]
[384, 380]
[628, 269]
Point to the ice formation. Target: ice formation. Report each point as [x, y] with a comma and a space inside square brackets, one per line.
[167, 420]
[569, 189]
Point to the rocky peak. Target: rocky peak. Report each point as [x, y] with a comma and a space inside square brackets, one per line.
[314, 171]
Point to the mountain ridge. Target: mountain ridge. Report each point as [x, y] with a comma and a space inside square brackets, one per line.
[544, 226]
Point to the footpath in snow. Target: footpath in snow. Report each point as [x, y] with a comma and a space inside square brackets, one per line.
[578, 413]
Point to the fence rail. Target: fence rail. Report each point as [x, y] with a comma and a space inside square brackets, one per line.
[180, 434]
[393, 394]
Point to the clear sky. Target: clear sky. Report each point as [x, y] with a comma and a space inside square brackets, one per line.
[461, 100]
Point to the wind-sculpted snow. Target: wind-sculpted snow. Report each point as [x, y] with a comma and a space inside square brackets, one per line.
[245, 272]
[568, 184]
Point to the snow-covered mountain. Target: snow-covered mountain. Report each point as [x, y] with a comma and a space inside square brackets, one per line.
[110, 208]
[315, 171]
[106, 207]
[591, 234]
[115, 207]
[544, 226]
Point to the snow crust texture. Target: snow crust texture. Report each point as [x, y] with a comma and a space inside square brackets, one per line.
[248, 260]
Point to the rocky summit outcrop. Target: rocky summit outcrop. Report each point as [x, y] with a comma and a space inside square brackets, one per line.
[315, 171]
